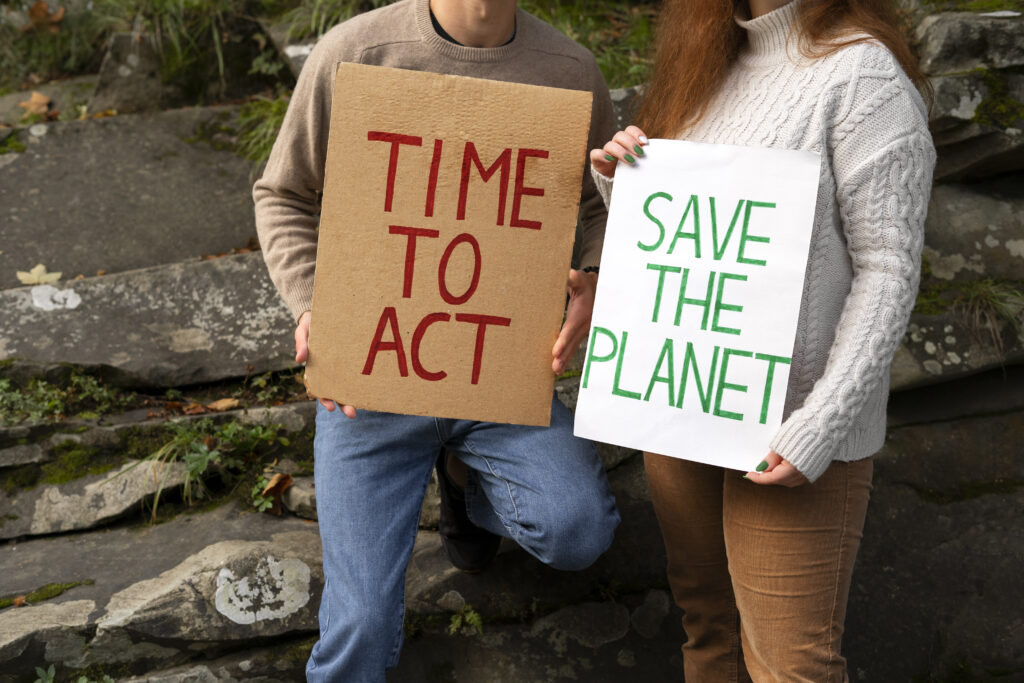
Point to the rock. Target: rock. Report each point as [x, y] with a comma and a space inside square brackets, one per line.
[193, 587]
[978, 152]
[589, 642]
[24, 454]
[976, 231]
[961, 41]
[281, 662]
[294, 417]
[944, 580]
[174, 200]
[65, 97]
[293, 52]
[945, 346]
[56, 629]
[87, 502]
[591, 624]
[129, 79]
[983, 454]
[647, 618]
[986, 393]
[300, 498]
[164, 326]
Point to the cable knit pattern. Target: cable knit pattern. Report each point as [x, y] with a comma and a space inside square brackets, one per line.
[859, 110]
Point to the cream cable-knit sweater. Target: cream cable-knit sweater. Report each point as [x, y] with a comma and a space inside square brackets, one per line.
[858, 110]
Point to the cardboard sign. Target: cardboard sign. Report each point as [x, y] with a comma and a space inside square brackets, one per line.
[446, 235]
[698, 300]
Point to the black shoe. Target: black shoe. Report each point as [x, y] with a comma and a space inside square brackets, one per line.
[469, 547]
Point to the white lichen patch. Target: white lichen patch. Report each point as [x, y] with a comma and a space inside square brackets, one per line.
[991, 241]
[929, 348]
[953, 358]
[49, 298]
[1015, 247]
[950, 339]
[933, 367]
[273, 590]
[967, 106]
[946, 267]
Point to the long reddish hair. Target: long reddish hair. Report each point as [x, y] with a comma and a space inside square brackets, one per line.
[698, 40]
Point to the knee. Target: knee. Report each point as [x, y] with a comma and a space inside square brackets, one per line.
[572, 537]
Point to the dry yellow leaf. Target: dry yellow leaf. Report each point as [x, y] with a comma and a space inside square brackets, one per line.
[38, 103]
[223, 404]
[38, 276]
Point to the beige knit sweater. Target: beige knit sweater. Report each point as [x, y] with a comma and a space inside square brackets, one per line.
[858, 110]
[401, 35]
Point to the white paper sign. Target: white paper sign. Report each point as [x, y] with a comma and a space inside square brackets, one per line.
[698, 301]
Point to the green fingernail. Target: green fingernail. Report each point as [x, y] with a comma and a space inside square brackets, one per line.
[639, 150]
[762, 466]
[747, 478]
[629, 159]
[609, 157]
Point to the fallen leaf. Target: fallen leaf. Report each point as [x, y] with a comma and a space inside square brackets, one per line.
[101, 272]
[103, 114]
[38, 103]
[194, 409]
[173, 406]
[38, 276]
[223, 404]
[19, 601]
[276, 487]
[42, 19]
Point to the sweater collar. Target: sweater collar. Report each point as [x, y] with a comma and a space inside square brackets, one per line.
[462, 52]
[768, 36]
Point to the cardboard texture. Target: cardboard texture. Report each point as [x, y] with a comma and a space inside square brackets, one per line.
[698, 302]
[449, 213]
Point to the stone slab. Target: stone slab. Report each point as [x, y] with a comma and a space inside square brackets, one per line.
[122, 193]
[960, 41]
[171, 325]
[64, 96]
[87, 502]
[986, 393]
[976, 231]
[948, 346]
[159, 589]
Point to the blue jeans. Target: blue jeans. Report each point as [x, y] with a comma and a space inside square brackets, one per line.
[539, 486]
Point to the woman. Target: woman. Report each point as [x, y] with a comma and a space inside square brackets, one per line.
[761, 563]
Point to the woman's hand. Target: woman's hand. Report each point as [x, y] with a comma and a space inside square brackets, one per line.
[626, 146]
[777, 471]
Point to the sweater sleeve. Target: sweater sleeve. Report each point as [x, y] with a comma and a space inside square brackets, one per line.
[593, 211]
[882, 160]
[287, 195]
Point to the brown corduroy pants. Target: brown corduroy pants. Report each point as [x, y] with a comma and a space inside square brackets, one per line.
[761, 572]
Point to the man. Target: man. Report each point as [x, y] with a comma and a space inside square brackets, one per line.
[541, 487]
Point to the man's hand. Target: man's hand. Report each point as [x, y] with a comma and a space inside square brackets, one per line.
[582, 288]
[777, 471]
[302, 355]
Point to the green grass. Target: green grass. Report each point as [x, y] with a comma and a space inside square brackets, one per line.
[619, 34]
[231, 451]
[258, 123]
[42, 401]
[35, 56]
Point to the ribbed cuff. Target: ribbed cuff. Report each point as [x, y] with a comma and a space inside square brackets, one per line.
[604, 186]
[299, 299]
[802, 446]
